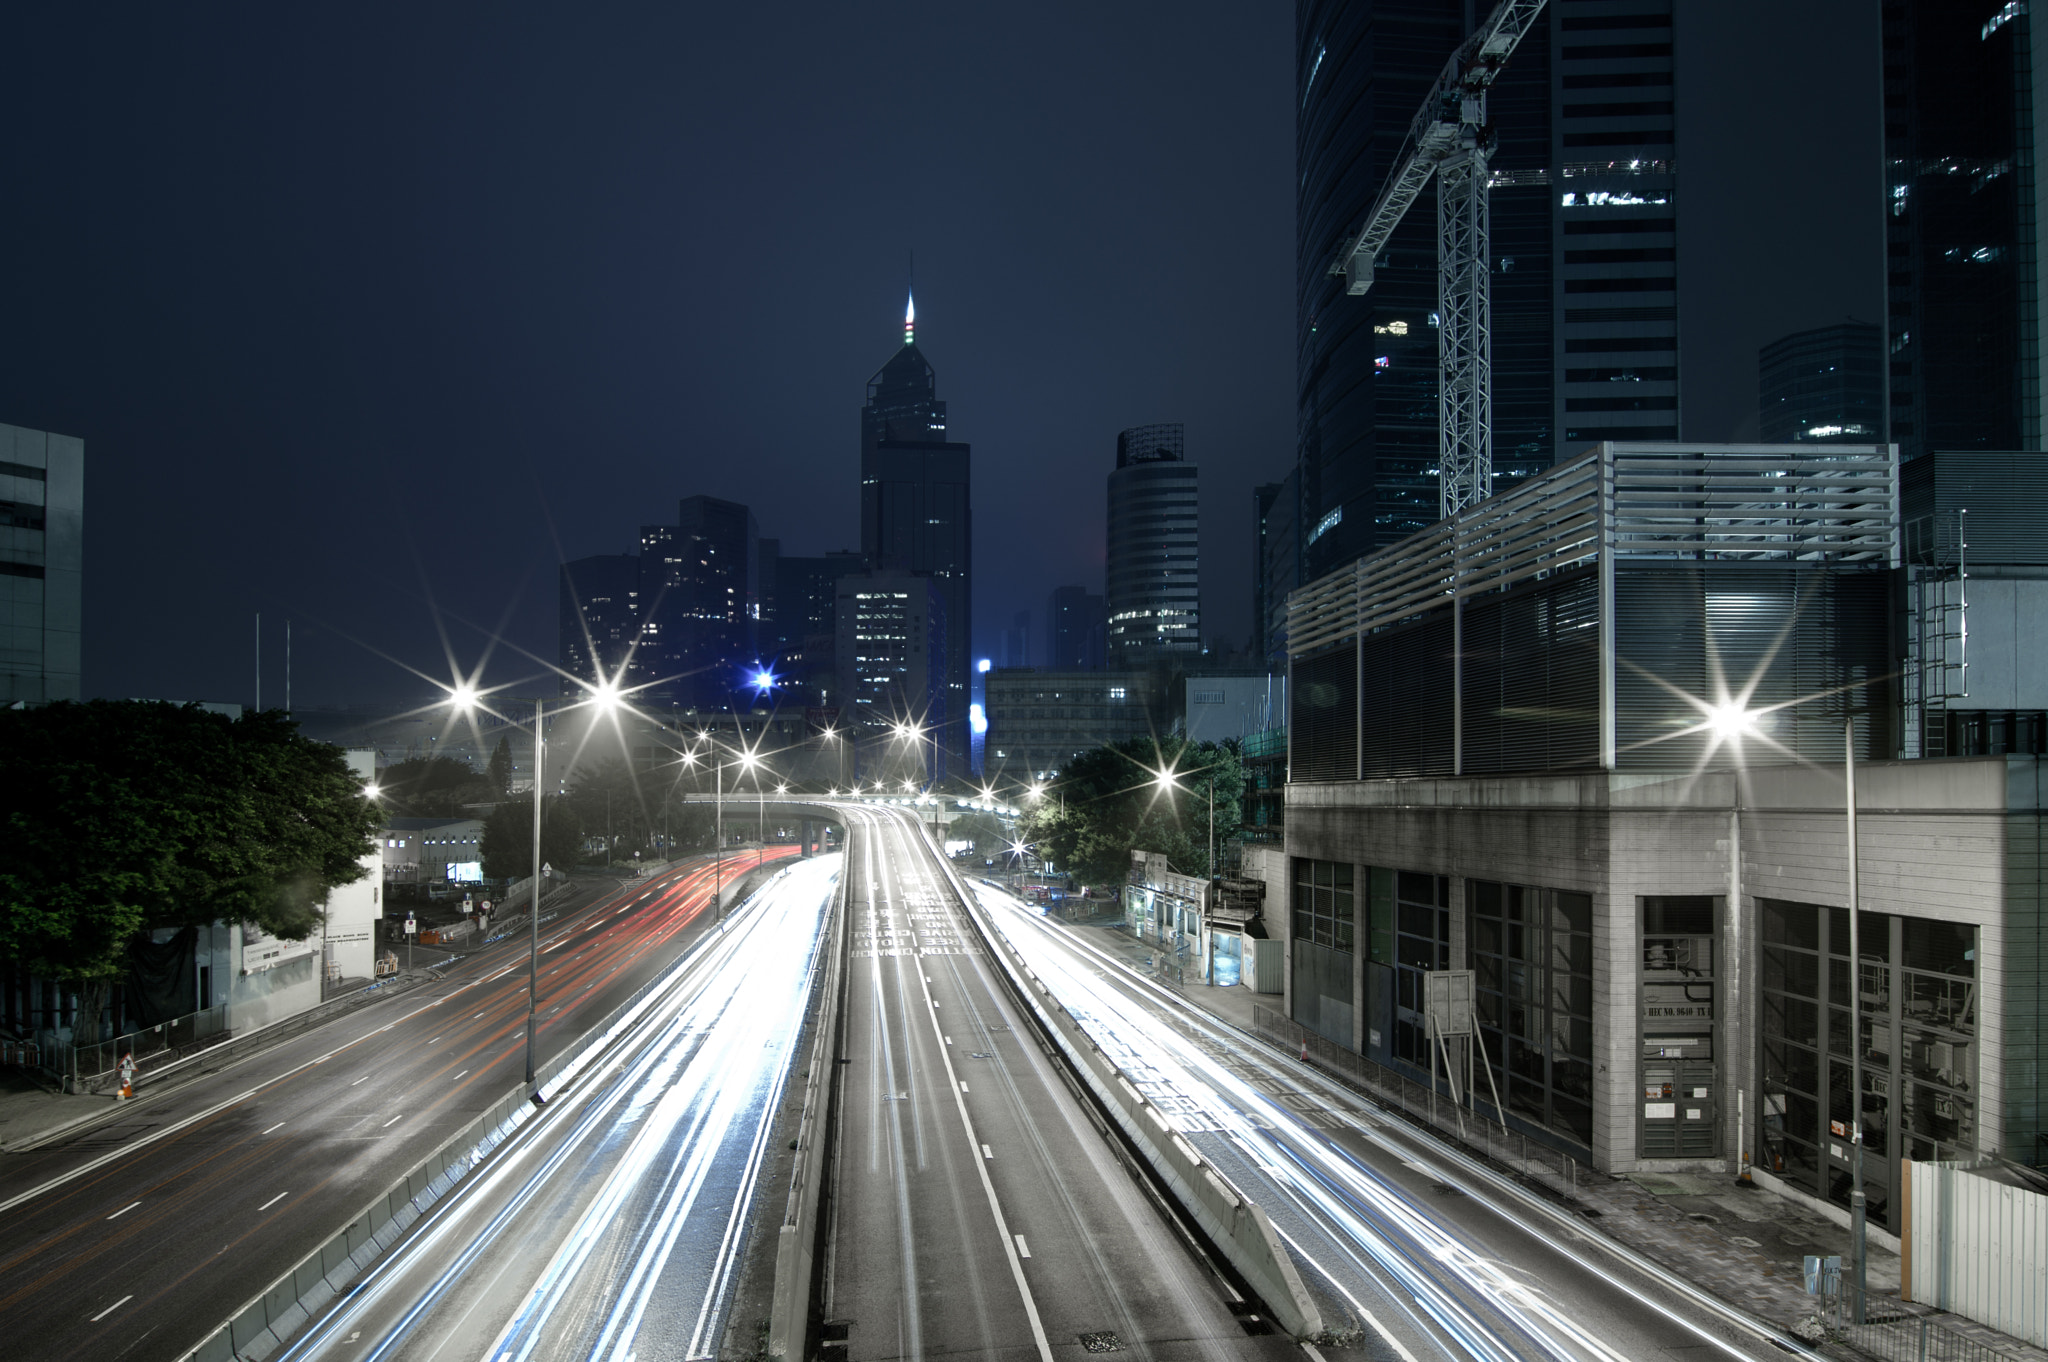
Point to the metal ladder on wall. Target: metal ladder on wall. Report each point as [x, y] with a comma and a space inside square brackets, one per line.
[1937, 669]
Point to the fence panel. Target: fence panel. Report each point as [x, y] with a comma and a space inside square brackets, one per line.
[1980, 1248]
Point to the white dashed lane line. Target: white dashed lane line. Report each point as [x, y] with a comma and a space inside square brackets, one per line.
[124, 1210]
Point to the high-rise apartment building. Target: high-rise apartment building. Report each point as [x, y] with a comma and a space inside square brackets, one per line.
[1824, 386]
[599, 621]
[1961, 128]
[699, 601]
[916, 509]
[1154, 592]
[42, 561]
[1584, 255]
[1074, 625]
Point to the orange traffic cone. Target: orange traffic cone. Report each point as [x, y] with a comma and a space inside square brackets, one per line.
[1304, 1049]
[127, 1077]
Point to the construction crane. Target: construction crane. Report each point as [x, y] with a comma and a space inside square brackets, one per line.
[1451, 139]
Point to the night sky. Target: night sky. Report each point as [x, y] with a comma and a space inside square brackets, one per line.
[370, 316]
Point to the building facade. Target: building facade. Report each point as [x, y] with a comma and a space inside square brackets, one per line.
[1824, 386]
[891, 650]
[1075, 624]
[598, 621]
[1153, 585]
[42, 560]
[1603, 772]
[1039, 720]
[700, 602]
[916, 510]
[1964, 285]
[1584, 235]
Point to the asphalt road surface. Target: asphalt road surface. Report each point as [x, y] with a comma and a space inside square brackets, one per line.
[978, 1209]
[137, 1238]
[1411, 1249]
[609, 1226]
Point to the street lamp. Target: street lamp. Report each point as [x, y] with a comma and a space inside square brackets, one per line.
[604, 698]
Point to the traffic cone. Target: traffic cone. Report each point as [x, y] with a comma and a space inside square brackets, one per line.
[1304, 1049]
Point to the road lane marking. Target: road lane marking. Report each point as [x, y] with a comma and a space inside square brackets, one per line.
[987, 1153]
[963, 1085]
[432, 1041]
[364, 1079]
[273, 1201]
[280, 1124]
[124, 1210]
[392, 1122]
[949, 1040]
[1022, 1250]
[458, 1075]
[111, 1309]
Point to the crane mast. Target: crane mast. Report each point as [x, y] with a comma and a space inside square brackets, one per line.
[1451, 139]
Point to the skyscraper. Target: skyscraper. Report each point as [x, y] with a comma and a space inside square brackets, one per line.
[1824, 386]
[1584, 245]
[698, 600]
[891, 650]
[599, 621]
[916, 509]
[1276, 563]
[1074, 619]
[1154, 591]
[42, 508]
[1961, 129]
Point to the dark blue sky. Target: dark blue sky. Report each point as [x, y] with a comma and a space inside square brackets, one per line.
[372, 310]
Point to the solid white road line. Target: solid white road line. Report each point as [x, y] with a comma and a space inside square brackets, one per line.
[111, 1309]
[273, 1201]
[124, 1210]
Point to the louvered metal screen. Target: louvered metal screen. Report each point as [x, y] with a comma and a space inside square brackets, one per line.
[1532, 677]
[1406, 700]
[1323, 727]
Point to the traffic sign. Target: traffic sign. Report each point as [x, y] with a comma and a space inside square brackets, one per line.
[412, 925]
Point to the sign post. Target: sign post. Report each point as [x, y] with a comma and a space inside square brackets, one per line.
[412, 928]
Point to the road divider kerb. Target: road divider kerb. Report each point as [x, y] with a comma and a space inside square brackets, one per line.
[1235, 1224]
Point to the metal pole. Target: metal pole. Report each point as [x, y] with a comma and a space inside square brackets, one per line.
[533, 914]
[1859, 1210]
[259, 662]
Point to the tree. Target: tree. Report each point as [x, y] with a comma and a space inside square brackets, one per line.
[433, 787]
[1109, 802]
[123, 816]
[508, 838]
[500, 770]
[984, 830]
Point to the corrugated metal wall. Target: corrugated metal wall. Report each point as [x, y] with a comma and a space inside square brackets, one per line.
[1979, 1247]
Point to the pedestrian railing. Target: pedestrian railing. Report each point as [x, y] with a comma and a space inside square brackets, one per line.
[20, 1054]
[1890, 1332]
[90, 1068]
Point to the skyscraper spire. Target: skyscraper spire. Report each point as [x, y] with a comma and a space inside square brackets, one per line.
[910, 318]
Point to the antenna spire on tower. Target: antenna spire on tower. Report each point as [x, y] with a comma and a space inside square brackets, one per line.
[910, 305]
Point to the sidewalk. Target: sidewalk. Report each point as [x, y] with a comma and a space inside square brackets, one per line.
[1743, 1244]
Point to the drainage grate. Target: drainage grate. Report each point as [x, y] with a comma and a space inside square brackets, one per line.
[1104, 1341]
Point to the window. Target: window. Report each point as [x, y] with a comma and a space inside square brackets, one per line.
[1323, 903]
[1422, 942]
[1532, 957]
[1917, 984]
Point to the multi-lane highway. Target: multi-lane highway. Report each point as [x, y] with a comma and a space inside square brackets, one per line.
[1411, 1249]
[138, 1238]
[610, 1226]
[978, 1210]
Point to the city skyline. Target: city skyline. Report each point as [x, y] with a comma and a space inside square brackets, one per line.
[447, 387]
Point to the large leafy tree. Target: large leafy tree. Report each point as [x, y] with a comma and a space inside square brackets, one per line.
[508, 838]
[434, 787]
[123, 816]
[1112, 800]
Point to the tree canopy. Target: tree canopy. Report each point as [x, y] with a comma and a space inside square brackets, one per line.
[434, 787]
[507, 851]
[123, 816]
[1109, 801]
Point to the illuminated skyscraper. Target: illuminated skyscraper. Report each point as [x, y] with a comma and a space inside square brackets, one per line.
[915, 513]
[1153, 584]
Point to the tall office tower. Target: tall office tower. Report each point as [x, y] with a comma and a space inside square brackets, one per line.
[697, 602]
[1824, 386]
[915, 507]
[891, 650]
[1961, 129]
[1154, 587]
[767, 633]
[1074, 623]
[1276, 562]
[1583, 233]
[1017, 640]
[42, 508]
[599, 621]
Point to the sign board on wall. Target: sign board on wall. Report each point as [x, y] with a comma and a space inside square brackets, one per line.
[262, 951]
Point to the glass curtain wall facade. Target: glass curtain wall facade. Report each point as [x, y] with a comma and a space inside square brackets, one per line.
[1824, 386]
[1532, 955]
[1153, 585]
[1918, 1040]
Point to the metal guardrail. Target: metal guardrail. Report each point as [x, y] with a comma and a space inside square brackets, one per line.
[20, 1054]
[1511, 1149]
[90, 1067]
[1890, 1334]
